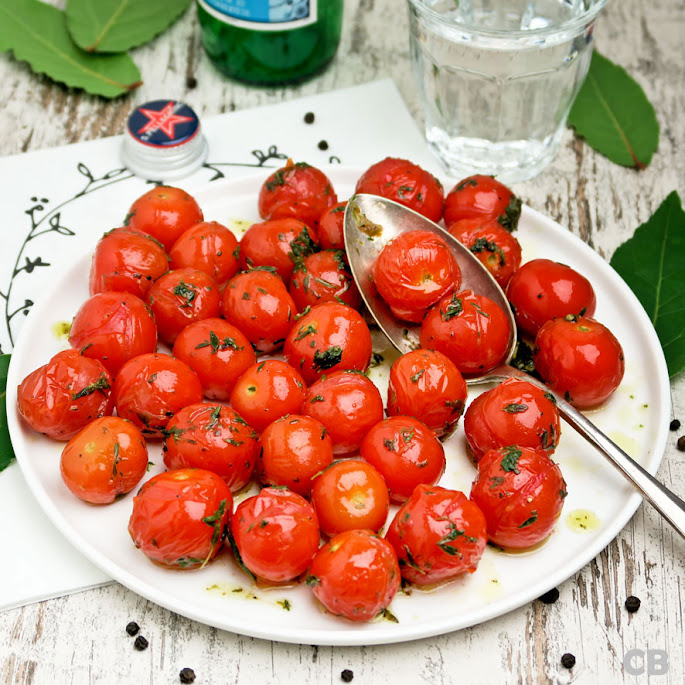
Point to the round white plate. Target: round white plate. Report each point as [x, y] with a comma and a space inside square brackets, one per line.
[222, 596]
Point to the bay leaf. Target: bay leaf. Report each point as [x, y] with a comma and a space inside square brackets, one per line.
[6, 451]
[117, 25]
[37, 33]
[651, 263]
[613, 114]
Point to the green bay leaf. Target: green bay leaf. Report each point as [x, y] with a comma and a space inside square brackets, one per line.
[651, 263]
[613, 114]
[37, 33]
[6, 451]
[117, 25]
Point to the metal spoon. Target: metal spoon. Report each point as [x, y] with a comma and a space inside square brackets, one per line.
[371, 222]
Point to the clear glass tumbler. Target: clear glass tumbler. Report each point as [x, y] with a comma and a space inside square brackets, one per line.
[497, 79]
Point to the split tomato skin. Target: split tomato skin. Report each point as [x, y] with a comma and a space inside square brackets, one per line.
[331, 227]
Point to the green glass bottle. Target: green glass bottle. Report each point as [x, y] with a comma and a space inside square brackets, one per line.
[270, 42]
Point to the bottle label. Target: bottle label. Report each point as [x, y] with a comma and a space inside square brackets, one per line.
[263, 15]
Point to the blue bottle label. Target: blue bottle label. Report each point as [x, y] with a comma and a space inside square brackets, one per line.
[263, 15]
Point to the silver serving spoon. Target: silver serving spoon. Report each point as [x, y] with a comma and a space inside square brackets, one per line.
[371, 222]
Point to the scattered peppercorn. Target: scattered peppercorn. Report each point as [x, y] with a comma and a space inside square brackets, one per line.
[568, 660]
[681, 443]
[549, 597]
[346, 676]
[187, 675]
[632, 604]
[674, 425]
[191, 82]
[309, 118]
[132, 628]
[141, 643]
[323, 145]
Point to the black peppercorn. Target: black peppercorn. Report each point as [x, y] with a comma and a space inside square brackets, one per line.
[549, 597]
[632, 604]
[347, 676]
[132, 628]
[141, 643]
[187, 675]
[674, 425]
[191, 82]
[681, 443]
[309, 118]
[568, 660]
[323, 145]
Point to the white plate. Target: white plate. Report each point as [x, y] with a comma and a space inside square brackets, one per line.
[220, 595]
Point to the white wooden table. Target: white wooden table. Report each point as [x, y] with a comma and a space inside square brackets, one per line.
[81, 638]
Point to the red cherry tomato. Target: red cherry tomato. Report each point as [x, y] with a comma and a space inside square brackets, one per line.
[348, 404]
[218, 353]
[179, 517]
[276, 533]
[513, 413]
[580, 359]
[151, 388]
[542, 290]
[63, 396]
[212, 437]
[521, 492]
[406, 183]
[413, 272]
[437, 534]
[108, 458]
[330, 337]
[113, 328]
[164, 213]
[331, 231]
[406, 453]
[355, 575]
[428, 386]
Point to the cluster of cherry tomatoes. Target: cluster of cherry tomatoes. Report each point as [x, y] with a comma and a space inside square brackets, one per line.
[310, 426]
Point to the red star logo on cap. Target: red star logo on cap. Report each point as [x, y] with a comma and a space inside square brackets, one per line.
[164, 119]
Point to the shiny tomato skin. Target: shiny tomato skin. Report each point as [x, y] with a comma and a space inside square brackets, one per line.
[179, 517]
[331, 227]
[521, 493]
[151, 388]
[543, 289]
[258, 303]
[127, 261]
[469, 329]
[515, 412]
[106, 459]
[212, 437]
[181, 297]
[482, 197]
[404, 182]
[406, 453]
[276, 533]
[330, 337]
[348, 404]
[293, 450]
[437, 534]
[61, 397]
[267, 391]
[164, 213]
[425, 384]
[113, 328]
[217, 352]
[210, 247]
[355, 575]
[580, 359]
[348, 495]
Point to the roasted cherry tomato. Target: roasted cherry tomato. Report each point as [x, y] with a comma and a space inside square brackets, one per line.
[164, 213]
[580, 359]
[179, 517]
[212, 437]
[293, 450]
[61, 397]
[437, 534]
[151, 388]
[542, 290]
[257, 302]
[297, 191]
[218, 353]
[469, 329]
[406, 453]
[521, 492]
[331, 227]
[428, 386]
[266, 392]
[350, 494]
[276, 533]
[180, 298]
[406, 183]
[413, 272]
[355, 575]
[348, 404]
[330, 337]
[482, 197]
[127, 261]
[113, 328]
[108, 458]
[515, 412]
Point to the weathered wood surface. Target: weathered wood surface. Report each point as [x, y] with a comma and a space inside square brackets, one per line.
[80, 638]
